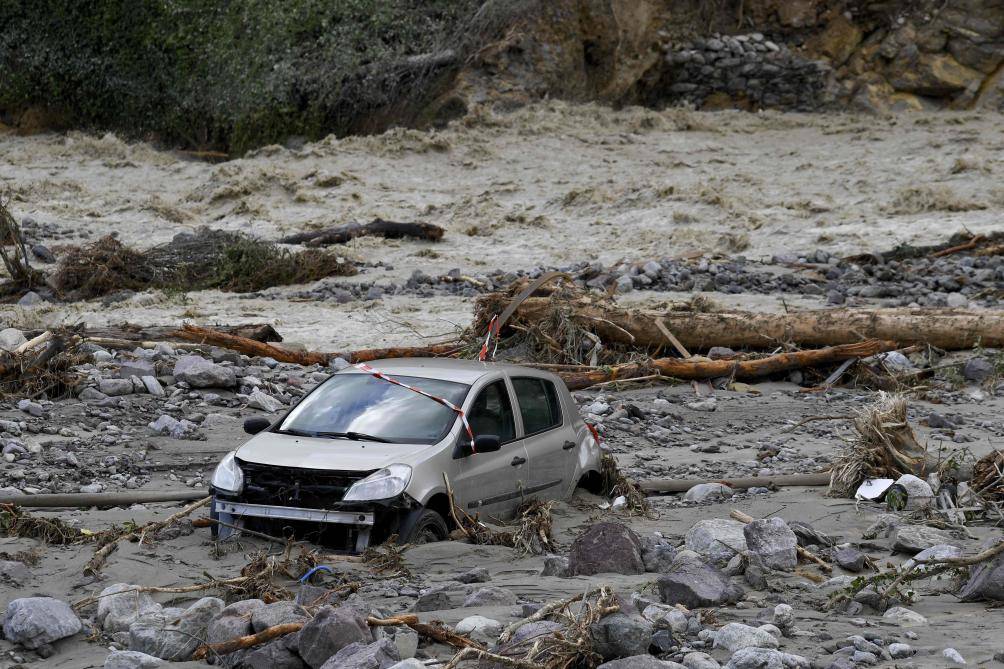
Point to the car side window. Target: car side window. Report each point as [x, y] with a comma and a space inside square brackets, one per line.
[492, 413]
[538, 404]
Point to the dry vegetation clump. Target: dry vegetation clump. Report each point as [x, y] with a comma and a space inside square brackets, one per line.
[885, 447]
[16, 522]
[988, 477]
[228, 261]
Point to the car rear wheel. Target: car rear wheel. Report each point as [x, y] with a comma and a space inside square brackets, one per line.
[430, 528]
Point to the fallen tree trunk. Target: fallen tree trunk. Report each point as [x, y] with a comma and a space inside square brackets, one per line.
[376, 228]
[250, 347]
[950, 329]
[703, 368]
[74, 500]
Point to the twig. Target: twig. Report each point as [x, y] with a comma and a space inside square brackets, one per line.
[249, 641]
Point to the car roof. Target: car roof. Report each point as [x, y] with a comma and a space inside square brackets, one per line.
[445, 369]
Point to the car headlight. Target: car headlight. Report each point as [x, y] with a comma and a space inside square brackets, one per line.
[381, 484]
[228, 477]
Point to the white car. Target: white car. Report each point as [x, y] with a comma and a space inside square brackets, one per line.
[362, 457]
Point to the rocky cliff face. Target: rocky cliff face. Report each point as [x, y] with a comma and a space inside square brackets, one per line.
[786, 54]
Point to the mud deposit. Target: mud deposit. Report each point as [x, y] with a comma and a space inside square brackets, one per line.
[551, 186]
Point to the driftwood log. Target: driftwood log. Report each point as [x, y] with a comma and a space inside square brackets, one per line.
[262, 332]
[376, 228]
[703, 368]
[950, 329]
[201, 335]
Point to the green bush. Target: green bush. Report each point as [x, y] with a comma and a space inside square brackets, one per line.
[224, 74]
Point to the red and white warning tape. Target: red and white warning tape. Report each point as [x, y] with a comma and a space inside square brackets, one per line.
[491, 340]
[362, 366]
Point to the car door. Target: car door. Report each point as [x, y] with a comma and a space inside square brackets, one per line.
[493, 483]
[547, 436]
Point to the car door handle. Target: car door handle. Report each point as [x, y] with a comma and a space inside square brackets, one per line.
[517, 461]
[568, 445]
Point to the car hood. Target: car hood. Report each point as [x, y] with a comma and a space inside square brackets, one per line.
[283, 450]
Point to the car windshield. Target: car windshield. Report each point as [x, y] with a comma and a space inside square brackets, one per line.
[361, 406]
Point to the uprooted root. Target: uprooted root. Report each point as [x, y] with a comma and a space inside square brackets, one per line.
[229, 261]
[615, 484]
[988, 477]
[48, 369]
[884, 448]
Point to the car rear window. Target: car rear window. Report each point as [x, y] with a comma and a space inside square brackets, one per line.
[538, 404]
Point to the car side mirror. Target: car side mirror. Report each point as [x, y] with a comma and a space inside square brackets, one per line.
[486, 443]
[256, 425]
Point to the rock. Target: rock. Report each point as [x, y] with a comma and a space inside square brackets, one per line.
[12, 571]
[849, 558]
[410, 663]
[233, 621]
[555, 565]
[152, 386]
[258, 399]
[939, 552]
[838, 40]
[900, 651]
[934, 75]
[479, 628]
[175, 640]
[490, 596]
[606, 548]
[766, 658]
[773, 541]
[377, 655]
[912, 539]
[277, 613]
[11, 338]
[953, 655]
[116, 612]
[904, 617]
[406, 640]
[662, 642]
[331, 630]
[662, 615]
[130, 659]
[657, 554]
[115, 387]
[784, 617]
[526, 636]
[198, 372]
[918, 492]
[139, 368]
[957, 301]
[476, 575]
[30, 299]
[978, 369]
[434, 600]
[716, 539]
[698, 660]
[986, 580]
[37, 621]
[92, 394]
[734, 636]
[278, 654]
[30, 408]
[707, 404]
[640, 662]
[695, 584]
[620, 635]
[177, 429]
[706, 492]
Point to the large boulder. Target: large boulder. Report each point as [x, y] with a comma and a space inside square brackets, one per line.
[277, 613]
[377, 655]
[718, 540]
[912, 539]
[773, 541]
[734, 636]
[331, 630]
[766, 658]
[696, 584]
[120, 605]
[986, 580]
[934, 75]
[130, 659]
[606, 548]
[279, 654]
[175, 640]
[233, 621]
[37, 621]
[198, 372]
[621, 635]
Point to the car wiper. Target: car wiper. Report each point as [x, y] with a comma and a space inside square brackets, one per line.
[296, 433]
[355, 436]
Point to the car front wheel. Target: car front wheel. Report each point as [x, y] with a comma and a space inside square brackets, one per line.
[430, 528]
